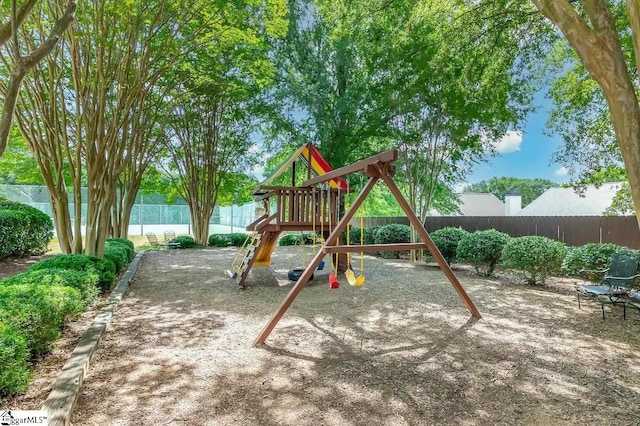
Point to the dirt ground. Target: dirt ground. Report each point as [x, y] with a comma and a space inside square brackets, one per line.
[401, 350]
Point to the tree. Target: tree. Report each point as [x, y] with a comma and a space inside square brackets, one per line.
[22, 62]
[590, 28]
[218, 106]
[530, 189]
[93, 112]
[206, 143]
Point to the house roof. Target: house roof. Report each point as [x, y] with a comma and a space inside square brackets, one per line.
[476, 204]
[480, 204]
[312, 158]
[566, 202]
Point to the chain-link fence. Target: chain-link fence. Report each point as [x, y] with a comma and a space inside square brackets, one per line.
[150, 213]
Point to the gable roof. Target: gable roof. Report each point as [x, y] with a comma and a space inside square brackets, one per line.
[476, 204]
[480, 204]
[566, 202]
[312, 158]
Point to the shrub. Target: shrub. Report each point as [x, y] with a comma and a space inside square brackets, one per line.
[237, 239]
[392, 233]
[185, 241]
[482, 249]
[369, 234]
[24, 230]
[14, 371]
[290, 240]
[587, 260]
[38, 312]
[117, 253]
[86, 282]
[534, 257]
[447, 239]
[219, 240]
[126, 244]
[105, 268]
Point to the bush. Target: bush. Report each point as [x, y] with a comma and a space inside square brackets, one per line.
[290, 240]
[237, 239]
[534, 257]
[390, 234]
[126, 244]
[369, 234]
[589, 259]
[219, 240]
[24, 230]
[482, 249]
[14, 371]
[86, 282]
[117, 253]
[185, 241]
[105, 268]
[447, 239]
[38, 312]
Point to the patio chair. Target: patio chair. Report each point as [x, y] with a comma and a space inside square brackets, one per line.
[153, 241]
[633, 300]
[169, 236]
[617, 282]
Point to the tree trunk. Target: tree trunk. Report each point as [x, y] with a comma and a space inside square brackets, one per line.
[200, 223]
[9, 105]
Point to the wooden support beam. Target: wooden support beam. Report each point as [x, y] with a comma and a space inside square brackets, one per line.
[359, 166]
[444, 266]
[374, 247]
[304, 278]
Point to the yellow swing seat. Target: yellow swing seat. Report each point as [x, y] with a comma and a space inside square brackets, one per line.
[352, 279]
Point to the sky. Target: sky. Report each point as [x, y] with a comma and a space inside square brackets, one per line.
[525, 153]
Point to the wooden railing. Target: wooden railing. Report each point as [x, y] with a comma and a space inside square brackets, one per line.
[305, 206]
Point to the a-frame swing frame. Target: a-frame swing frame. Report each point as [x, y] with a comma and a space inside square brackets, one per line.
[378, 168]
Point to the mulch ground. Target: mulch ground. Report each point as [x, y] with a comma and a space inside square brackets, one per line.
[400, 350]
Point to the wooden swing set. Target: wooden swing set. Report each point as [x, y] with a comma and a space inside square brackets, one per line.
[304, 205]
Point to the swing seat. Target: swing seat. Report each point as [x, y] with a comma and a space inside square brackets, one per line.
[333, 281]
[295, 274]
[320, 266]
[351, 278]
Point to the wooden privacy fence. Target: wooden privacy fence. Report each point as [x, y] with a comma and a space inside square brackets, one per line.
[573, 230]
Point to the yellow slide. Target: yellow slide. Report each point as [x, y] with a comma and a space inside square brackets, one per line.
[268, 243]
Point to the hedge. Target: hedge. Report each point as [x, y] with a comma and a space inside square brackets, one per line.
[482, 249]
[105, 268]
[534, 257]
[447, 240]
[14, 370]
[86, 282]
[116, 253]
[185, 242]
[390, 234]
[38, 312]
[296, 239]
[24, 230]
[586, 260]
[125, 244]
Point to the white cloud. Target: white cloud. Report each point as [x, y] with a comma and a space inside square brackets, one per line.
[562, 171]
[510, 142]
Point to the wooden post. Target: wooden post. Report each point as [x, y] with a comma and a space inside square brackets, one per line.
[304, 278]
[444, 266]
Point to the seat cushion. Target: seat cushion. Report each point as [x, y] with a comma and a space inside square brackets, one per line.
[599, 289]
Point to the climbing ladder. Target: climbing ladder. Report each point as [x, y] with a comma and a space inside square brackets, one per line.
[257, 251]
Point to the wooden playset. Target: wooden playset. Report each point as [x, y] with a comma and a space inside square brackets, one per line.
[315, 202]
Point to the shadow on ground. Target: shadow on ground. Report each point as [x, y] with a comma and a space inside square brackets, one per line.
[401, 350]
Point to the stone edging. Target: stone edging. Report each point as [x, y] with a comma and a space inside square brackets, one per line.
[66, 388]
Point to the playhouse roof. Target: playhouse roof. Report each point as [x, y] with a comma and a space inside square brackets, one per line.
[312, 158]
